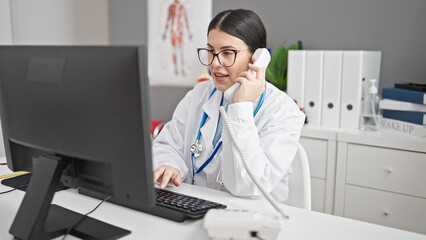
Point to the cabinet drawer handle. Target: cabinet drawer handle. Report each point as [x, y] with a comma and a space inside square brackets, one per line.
[386, 213]
[389, 170]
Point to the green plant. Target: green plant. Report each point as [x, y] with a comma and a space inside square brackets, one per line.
[276, 72]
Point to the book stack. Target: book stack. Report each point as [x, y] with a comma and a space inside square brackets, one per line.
[404, 109]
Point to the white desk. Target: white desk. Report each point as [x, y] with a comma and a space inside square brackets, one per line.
[302, 224]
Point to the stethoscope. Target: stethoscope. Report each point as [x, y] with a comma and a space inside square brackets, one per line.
[196, 148]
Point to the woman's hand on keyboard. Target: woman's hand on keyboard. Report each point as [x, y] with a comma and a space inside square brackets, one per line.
[167, 174]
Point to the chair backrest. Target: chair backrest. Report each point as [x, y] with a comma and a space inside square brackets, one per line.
[300, 181]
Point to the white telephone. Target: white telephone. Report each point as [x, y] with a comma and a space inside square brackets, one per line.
[244, 224]
[261, 58]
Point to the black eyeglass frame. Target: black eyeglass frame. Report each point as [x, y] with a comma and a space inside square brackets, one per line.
[217, 55]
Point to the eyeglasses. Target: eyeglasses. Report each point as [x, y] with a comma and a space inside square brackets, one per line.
[225, 57]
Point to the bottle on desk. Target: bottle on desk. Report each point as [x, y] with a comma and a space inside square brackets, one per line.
[370, 109]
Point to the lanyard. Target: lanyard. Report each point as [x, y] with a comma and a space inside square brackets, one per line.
[197, 144]
[203, 120]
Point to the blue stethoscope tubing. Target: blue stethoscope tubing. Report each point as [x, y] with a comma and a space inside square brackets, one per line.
[203, 121]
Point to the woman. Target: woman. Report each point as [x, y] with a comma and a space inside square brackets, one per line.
[266, 121]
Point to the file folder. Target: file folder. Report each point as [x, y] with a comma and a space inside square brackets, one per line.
[313, 86]
[296, 76]
[331, 88]
[357, 69]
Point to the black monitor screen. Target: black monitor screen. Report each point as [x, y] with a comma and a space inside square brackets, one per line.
[79, 114]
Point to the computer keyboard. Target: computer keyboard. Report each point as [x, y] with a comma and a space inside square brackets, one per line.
[189, 206]
[171, 205]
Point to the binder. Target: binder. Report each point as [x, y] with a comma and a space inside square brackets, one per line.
[313, 86]
[404, 95]
[331, 88]
[296, 76]
[358, 68]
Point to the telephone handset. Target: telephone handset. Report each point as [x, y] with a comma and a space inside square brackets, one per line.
[261, 58]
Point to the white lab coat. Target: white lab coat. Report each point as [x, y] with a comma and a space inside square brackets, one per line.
[270, 141]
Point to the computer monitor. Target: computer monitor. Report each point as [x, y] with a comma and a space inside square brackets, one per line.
[80, 115]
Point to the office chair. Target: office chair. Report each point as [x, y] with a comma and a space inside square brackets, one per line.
[300, 181]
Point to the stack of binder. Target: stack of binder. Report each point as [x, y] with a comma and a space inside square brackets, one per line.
[329, 85]
[404, 110]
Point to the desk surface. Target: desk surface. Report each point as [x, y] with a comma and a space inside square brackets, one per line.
[302, 224]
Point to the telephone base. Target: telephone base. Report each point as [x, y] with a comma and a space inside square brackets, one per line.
[242, 224]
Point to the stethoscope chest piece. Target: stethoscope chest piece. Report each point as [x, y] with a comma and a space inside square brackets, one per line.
[196, 149]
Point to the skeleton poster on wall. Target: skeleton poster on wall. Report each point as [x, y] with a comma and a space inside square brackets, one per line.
[176, 28]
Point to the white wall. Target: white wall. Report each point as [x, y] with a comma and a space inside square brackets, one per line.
[5, 39]
[5, 23]
[395, 27]
[64, 22]
[53, 22]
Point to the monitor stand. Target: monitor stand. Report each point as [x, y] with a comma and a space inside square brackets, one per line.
[37, 218]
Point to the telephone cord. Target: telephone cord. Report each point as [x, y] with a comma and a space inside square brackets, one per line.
[243, 159]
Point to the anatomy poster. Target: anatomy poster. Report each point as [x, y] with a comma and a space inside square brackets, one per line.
[176, 28]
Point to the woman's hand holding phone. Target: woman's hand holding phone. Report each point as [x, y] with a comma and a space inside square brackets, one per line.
[251, 85]
[261, 59]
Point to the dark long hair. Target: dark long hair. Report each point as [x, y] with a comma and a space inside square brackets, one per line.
[243, 24]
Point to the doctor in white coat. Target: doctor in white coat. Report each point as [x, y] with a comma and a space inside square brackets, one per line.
[266, 121]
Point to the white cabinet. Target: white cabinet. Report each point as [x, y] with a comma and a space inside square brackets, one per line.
[377, 177]
[320, 146]
[387, 169]
[385, 208]
[381, 178]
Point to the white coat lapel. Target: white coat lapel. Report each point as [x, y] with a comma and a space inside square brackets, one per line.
[211, 108]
